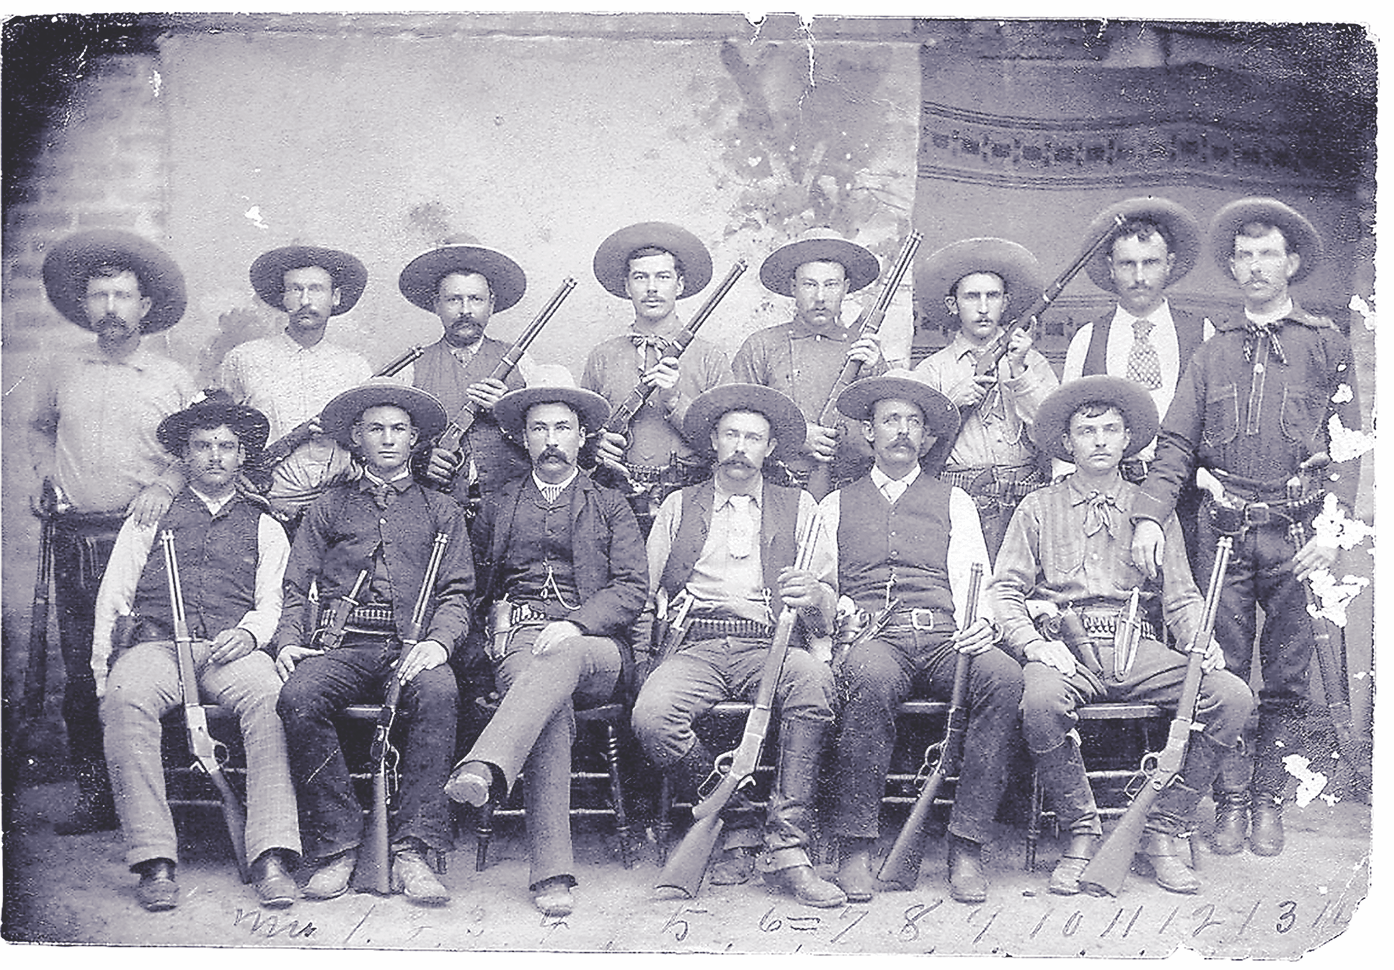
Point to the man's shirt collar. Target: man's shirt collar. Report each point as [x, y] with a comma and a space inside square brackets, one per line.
[722, 498]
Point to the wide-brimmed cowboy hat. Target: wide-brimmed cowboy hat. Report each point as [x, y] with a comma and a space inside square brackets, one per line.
[1129, 397]
[215, 407]
[1175, 220]
[70, 263]
[511, 411]
[611, 263]
[268, 274]
[420, 280]
[939, 272]
[787, 424]
[858, 402]
[1302, 236]
[341, 414]
[819, 245]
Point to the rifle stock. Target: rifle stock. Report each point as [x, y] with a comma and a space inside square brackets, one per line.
[1104, 874]
[36, 666]
[902, 865]
[373, 872]
[201, 744]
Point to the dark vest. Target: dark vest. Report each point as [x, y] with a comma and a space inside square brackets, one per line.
[542, 536]
[1190, 334]
[909, 539]
[779, 519]
[218, 558]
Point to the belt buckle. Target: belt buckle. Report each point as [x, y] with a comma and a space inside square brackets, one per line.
[1257, 513]
[915, 619]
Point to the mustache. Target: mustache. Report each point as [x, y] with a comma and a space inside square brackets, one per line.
[737, 461]
[551, 452]
[903, 439]
[112, 320]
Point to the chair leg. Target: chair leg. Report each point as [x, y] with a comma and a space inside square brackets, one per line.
[664, 825]
[483, 832]
[1033, 823]
[612, 759]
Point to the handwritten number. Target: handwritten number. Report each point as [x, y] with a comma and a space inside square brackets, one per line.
[1287, 915]
[678, 926]
[1209, 910]
[770, 925]
[1072, 924]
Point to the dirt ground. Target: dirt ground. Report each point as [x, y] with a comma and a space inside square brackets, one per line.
[78, 890]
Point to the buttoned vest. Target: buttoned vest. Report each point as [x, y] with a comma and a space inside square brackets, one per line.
[905, 545]
[778, 533]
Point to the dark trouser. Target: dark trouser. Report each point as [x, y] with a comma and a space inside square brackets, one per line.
[879, 675]
[1260, 574]
[331, 817]
[80, 554]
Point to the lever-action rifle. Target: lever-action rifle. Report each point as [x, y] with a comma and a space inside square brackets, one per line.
[733, 770]
[374, 869]
[902, 866]
[209, 754]
[453, 437]
[1105, 873]
[36, 666]
[872, 316]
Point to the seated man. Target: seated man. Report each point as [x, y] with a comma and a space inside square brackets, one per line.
[231, 557]
[908, 537]
[563, 576]
[382, 525]
[731, 544]
[1068, 548]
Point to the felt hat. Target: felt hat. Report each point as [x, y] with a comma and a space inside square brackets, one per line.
[269, 271]
[70, 263]
[462, 254]
[342, 413]
[858, 402]
[511, 411]
[819, 245]
[1129, 397]
[1176, 222]
[787, 423]
[215, 407]
[611, 263]
[1302, 236]
[940, 271]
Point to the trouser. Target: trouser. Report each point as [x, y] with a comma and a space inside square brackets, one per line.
[534, 730]
[143, 687]
[876, 677]
[80, 554]
[1050, 699]
[691, 681]
[331, 817]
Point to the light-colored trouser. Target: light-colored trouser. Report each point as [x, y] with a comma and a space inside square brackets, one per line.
[142, 688]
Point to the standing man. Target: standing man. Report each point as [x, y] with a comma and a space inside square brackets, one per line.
[1258, 399]
[563, 578]
[1144, 338]
[465, 284]
[1067, 548]
[96, 456]
[731, 544]
[653, 265]
[291, 377]
[803, 358]
[384, 524]
[231, 560]
[903, 535]
[992, 458]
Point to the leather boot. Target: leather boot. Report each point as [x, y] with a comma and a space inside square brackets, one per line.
[1064, 879]
[788, 820]
[1170, 872]
[1231, 791]
[967, 880]
[1277, 738]
[1061, 774]
[1266, 833]
[854, 874]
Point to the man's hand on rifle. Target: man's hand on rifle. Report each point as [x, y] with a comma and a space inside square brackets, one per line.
[1018, 345]
[969, 392]
[1214, 656]
[443, 464]
[978, 637]
[290, 655]
[1314, 556]
[866, 349]
[1148, 545]
[424, 655]
[821, 442]
[610, 447]
[662, 375]
[232, 644]
[553, 635]
[801, 590]
[486, 393]
[1052, 653]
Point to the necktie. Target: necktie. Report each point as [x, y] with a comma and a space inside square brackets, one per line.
[742, 529]
[1144, 366]
[384, 494]
[893, 489]
[1256, 332]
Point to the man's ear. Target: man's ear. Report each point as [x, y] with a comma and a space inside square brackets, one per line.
[336, 297]
[1294, 260]
[951, 304]
[869, 430]
[145, 304]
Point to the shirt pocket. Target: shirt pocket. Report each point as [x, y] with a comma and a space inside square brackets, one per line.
[1301, 414]
[1221, 415]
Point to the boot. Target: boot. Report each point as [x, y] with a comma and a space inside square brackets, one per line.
[967, 881]
[1277, 738]
[95, 810]
[1266, 835]
[1170, 872]
[1064, 880]
[854, 874]
[1231, 792]
[787, 822]
[1061, 774]
[1173, 813]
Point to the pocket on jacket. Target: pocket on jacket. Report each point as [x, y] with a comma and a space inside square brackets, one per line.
[1221, 415]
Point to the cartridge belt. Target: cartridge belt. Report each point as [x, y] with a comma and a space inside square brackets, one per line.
[1101, 624]
[712, 628]
[371, 619]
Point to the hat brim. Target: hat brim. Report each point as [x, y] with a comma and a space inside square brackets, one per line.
[70, 263]
[511, 410]
[860, 264]
[1129, 397]
[341, 414]
[941, 418]
[1301, 234]
[787, 424]
[268, 274]
[1176, 221]
[939, 272]
[611, 262]
[420, 280]
[249, 424]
